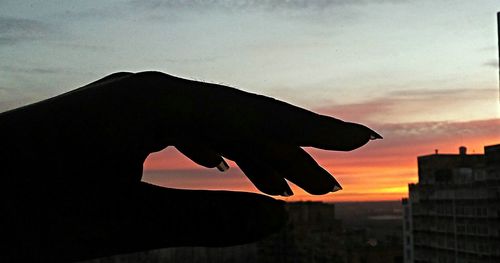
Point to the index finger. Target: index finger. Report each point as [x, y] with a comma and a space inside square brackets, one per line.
[306, 128]
[235, 113]
[212, 112]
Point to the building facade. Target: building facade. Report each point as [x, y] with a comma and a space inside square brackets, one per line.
[453, 212]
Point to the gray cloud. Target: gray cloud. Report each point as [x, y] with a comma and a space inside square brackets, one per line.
[491, 63]
[10, 93]
[433, 93]
[101, 11]
[255, 4]
[191, 60]
[313, 11]
[3, 91]
[426, 130]
[14, 30]
[31, 70]
[83, 46]
[488, 48]
[13, 98]
[165, 10]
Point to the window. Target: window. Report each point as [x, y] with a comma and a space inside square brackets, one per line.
[465, 175]
[443, 176]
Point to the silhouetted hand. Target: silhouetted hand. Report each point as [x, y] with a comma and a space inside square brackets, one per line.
[71, 166]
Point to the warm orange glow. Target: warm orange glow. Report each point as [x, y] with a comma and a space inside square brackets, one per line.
[380, 170]
[169, 159]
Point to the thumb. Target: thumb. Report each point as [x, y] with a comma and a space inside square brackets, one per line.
[155, 217]
[207, 218]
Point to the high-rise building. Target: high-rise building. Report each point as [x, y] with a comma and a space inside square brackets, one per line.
[453, 212]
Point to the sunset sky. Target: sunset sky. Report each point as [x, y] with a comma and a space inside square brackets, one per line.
[424, 74]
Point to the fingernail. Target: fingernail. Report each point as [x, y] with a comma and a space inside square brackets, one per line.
[223, 166]
[375, 136]
[336, 188]
[287, 193]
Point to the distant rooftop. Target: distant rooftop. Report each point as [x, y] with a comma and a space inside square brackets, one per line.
[462, 151]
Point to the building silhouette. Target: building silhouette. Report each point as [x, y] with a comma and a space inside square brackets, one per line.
[453, 212]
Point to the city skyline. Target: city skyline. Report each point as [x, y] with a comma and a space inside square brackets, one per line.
[423, 74]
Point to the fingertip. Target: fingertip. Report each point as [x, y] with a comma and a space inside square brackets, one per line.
[336, 188]
[300, 168]
[322, 188]
[223, 166]
[288, 191]
[203, 156]
[265, 178]
[328, 133]
[375, 136]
